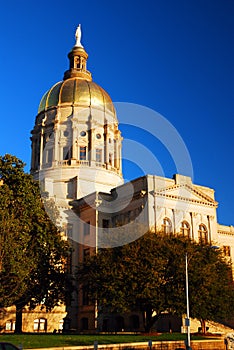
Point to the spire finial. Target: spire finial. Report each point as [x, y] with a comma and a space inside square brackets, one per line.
[78, 36]
[78, 60]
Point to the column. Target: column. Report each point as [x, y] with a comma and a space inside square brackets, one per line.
[56, 145]
[106, 145]
[209, 229]
[41, 148]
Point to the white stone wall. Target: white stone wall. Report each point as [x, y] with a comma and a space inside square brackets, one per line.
[226, 239]
[180, 200]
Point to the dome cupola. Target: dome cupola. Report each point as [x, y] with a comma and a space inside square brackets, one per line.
[76, 131]
[77, 87]
[78, 60]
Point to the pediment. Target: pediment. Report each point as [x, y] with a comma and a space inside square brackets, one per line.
[187, 193]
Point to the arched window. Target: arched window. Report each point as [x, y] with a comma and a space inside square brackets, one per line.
[166, 226]
[84, 324]
[39, 325]
[185, 229]
[203, 234]
[134, 322]
[105, 325]
[119, 323]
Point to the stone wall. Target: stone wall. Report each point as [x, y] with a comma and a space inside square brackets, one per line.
[196, 345]
[47, 321]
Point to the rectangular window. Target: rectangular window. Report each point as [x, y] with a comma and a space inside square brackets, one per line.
[110, 158]
[10, 326]
[72, 188]
[115, 154]
[49, 156]
[85, 295]
[42, 325]
[69, 230]
[68, 265]
[66, 153]
[82, 153]
[98, 155]
[86, 228]
[105, 223]
[86, 254]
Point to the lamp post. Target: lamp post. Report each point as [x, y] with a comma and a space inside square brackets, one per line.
[187, 320]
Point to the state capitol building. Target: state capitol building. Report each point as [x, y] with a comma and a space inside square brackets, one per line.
[77, 158]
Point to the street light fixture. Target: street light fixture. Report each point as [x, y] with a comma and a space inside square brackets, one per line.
[187, 320]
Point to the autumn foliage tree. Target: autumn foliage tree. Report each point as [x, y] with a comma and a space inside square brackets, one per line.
[32, 252]
[149, 275]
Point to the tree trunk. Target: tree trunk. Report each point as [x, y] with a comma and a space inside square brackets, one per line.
[148, 319]
[203, 326]
[144, 319]
[19, 318]
[149, 322]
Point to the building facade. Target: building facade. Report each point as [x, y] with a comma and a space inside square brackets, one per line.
[76, 157]
[147, 203]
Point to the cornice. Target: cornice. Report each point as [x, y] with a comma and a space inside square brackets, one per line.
[206, 200]
[220, 232]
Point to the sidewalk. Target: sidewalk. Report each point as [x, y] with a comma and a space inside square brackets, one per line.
[196, 345]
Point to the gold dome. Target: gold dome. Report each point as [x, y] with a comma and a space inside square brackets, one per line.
[76, 92]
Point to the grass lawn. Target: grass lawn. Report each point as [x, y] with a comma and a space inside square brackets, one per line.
[62, 340]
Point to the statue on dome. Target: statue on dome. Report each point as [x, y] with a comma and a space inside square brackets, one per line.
[78, 36]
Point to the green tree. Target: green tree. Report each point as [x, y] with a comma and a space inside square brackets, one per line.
[210, 285]
[149, 275]
[33, 254]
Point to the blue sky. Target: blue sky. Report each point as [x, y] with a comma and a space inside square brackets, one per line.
[173, 56]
